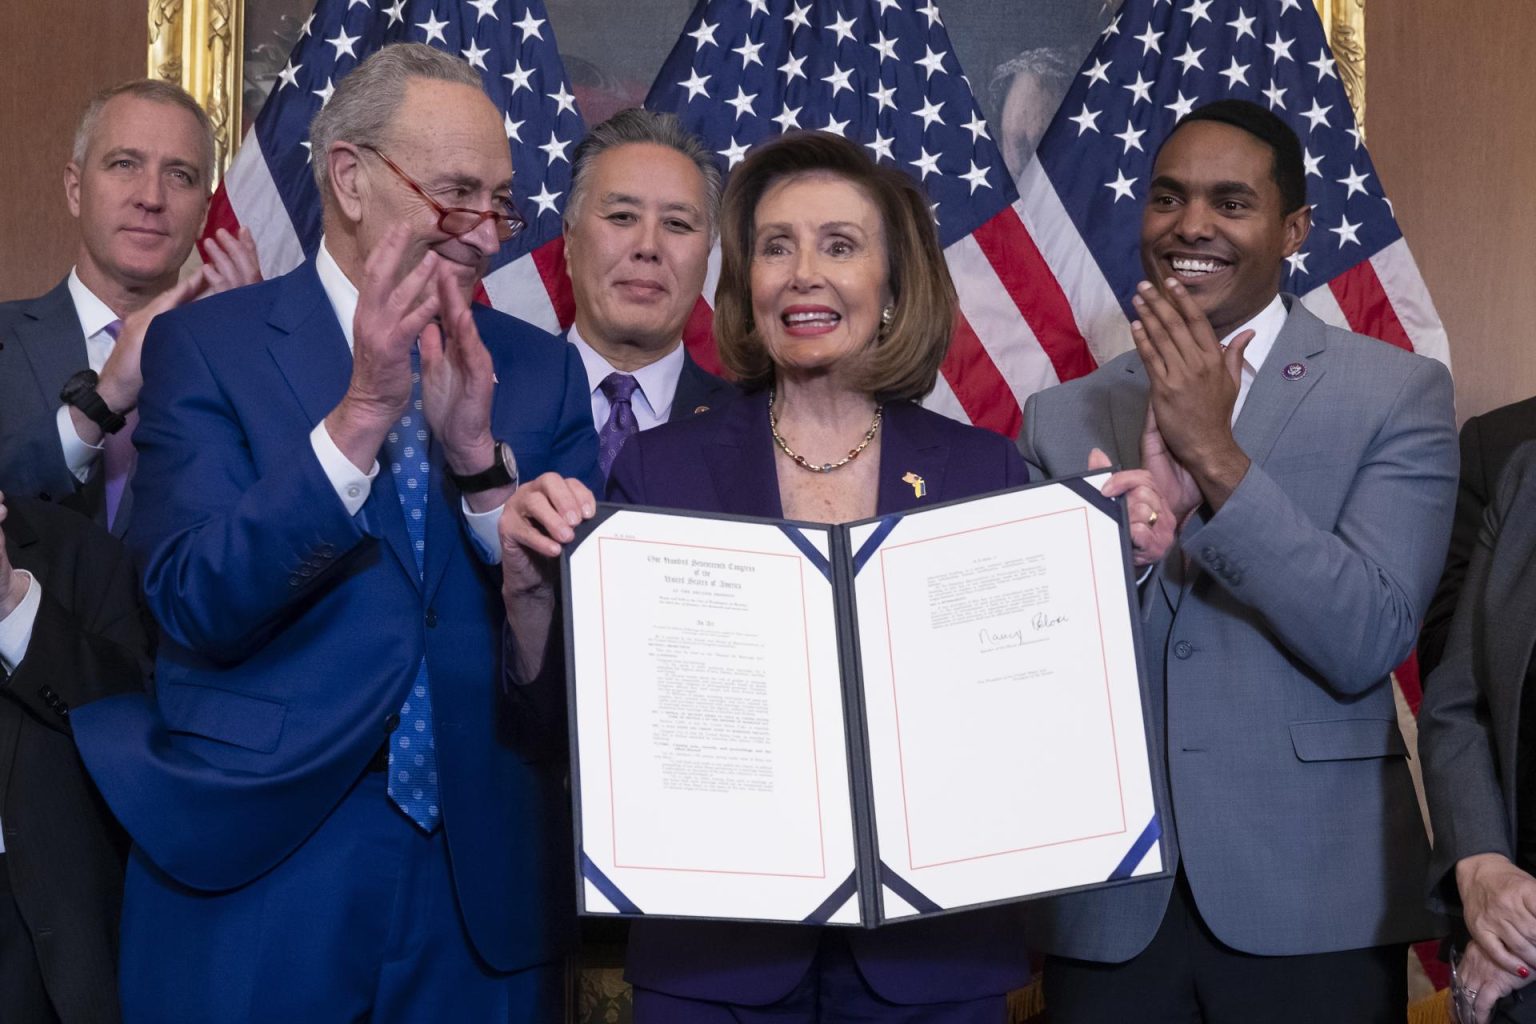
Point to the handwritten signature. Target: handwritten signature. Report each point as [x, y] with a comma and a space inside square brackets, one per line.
[993, 640]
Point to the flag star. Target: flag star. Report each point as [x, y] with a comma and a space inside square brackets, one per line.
[835, 126]
[545, 199]
[1357, 135]
[324, 92]
[1190, 58]
[758, 6]
[1318, 115]
[1275, 95]
[1197, 11]
[1131, 137]
[554, 149]
[309, 151]
[1390, 209]
[304, 31]
[1112, 29]
[475, 56]
[886, 5]
[931, 13]
[519, 77]
[396, 13]
[881, 146]
[529, 26]
[886, 48]
[1346, 232]
[433, 28]
[1324, 66]
[1181, 106]
[742, 102]
[704, 35]
[1149, 41]
[356, 3]
[838, 80]
[289, 75]
[1098, 73]
[791, 67]
[564, 101]
[885, 96]
[929, 113]
[932, 62]
[800, 17]
[842, 28]
[788, 118]
[1281, 48]
[1244, 26]
[977, 126]
[1298, 262]
[1289, 5]
[748, 51]
[1121, 186]
[1140, 90]
[1085, 120]
[977, 176]
[1355, 182]
[734, 153]
[343, 42]
[513, 127]
[1236, 73]
[926, 162]
[484, 9]
[695, 85]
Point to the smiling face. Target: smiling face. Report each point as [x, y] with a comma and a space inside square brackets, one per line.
[1214, 220]
[140, 194]
[637, 249]
[820, 272]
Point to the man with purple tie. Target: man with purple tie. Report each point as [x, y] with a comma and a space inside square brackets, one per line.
[138, 183]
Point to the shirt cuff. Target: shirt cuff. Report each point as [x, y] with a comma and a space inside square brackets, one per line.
[352, 487]
[483, 527]
[78, 456]
[16, 628]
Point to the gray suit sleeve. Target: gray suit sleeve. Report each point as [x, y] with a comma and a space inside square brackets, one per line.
[31, 457]
[1347, 601]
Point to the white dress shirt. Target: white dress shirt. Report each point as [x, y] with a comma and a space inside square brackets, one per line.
[652, 401]
[95, 316]
[16, 635]
[1266, 327]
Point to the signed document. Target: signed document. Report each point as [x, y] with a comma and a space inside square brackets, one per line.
[850, 725]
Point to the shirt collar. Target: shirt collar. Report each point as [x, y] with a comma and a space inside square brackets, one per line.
[657, 381]
[94, 314]
[341, 292]
[1266, 328]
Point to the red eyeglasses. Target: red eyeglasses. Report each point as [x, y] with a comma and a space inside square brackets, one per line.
[456, 220]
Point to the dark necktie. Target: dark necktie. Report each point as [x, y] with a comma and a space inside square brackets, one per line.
[118, 457]
[412, 749]
[618, 388]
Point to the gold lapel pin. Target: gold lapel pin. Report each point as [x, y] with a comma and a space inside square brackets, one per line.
[699, 409]
[918, 484]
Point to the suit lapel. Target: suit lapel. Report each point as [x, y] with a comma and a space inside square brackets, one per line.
[1273, 398]
[740, 458]
[52, 339]
[911, 453]
[311, 352]
[1511, 597]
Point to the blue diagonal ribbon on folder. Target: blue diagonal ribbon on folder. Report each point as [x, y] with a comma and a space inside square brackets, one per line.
[873, 541]
[603, 884]
[842, 894]
[1089, 493]
[1138, 850]
[906, 890]
[808, 549]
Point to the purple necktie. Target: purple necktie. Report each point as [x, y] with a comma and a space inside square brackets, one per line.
[118, 457]
[618, 388]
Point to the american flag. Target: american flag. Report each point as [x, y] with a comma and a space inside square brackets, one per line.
[269, 186]
[883, 73]
[1158, 59]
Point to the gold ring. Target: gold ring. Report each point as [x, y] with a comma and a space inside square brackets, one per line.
[1152, 518]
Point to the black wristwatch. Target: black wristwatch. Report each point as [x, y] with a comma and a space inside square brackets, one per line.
[80, 392]
[503, 473]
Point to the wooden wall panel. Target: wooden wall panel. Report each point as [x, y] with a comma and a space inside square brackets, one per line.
[56, 54]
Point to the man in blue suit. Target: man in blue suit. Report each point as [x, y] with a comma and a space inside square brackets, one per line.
[347, 804]
[645, 197]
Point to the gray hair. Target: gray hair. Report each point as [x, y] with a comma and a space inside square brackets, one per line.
[156, 91]
[366, 100]
[635, 125]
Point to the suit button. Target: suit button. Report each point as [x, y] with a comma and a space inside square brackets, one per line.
[1183, 649]
[391, 723]
[431, 618]
[1208, 553]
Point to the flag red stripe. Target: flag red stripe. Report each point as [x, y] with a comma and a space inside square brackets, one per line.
[699, 336]
[1408, 681]
[220, 215]
[976, 382]
[549, 258]
[1366, 306]
[1028, 279]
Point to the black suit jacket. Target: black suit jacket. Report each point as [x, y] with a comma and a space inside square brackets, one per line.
[698, 391]
[1487, 442]
[64, 852]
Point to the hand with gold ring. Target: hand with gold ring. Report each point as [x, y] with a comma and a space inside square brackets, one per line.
[1149, 541]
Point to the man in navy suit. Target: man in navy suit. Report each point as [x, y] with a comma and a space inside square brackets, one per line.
[645, 196]
[347, 804]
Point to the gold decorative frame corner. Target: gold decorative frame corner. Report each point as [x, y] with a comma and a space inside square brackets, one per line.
[199, 45]
[1344, 22]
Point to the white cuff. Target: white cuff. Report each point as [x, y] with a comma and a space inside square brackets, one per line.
[352, 486]
[78, 456]
[16, 628]
[483, 528]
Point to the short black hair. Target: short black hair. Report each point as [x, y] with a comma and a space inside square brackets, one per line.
[1287, 171]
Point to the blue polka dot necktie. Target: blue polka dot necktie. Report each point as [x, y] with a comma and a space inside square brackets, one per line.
[618, 388]
[412, 749]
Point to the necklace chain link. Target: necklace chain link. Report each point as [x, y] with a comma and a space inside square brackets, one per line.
[825, 467]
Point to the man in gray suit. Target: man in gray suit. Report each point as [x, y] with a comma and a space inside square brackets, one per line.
[137, 183]
[1313, 472]
[645, 197]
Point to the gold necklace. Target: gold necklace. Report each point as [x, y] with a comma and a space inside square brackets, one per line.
[825, 467]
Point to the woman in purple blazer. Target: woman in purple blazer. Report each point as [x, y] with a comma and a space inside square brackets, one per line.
[834, 311]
